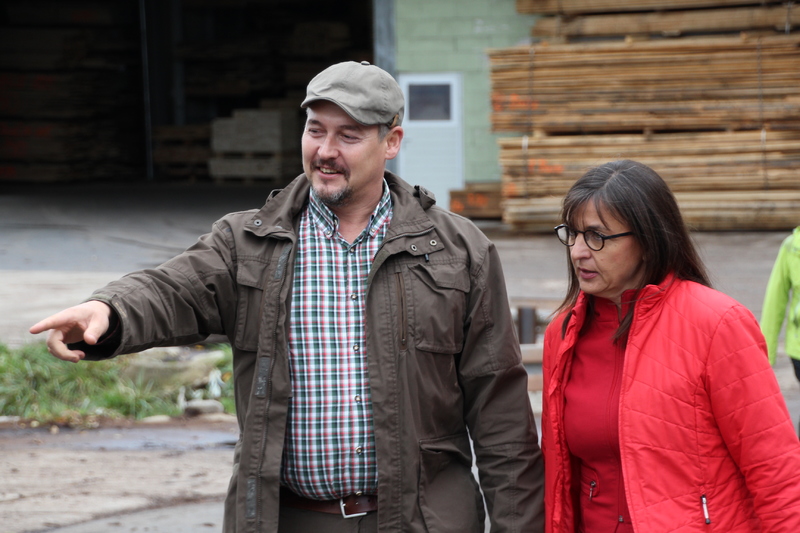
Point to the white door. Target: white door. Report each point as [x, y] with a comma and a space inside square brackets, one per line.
[432, 151]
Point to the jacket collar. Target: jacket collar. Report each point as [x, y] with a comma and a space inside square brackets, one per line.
[283, 207]
[647, 299]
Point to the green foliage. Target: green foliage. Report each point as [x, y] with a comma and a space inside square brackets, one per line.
[36, 386]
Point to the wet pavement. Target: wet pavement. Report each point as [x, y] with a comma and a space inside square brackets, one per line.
[189, 518]
[140, 437]
[58, 243]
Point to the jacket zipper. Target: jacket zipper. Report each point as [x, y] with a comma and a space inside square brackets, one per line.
[592, 485]
[704, 503]
[401, 295]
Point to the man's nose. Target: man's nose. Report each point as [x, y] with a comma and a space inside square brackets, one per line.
[328, 149]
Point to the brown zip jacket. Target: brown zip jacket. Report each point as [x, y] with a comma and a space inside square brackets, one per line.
[444, 361]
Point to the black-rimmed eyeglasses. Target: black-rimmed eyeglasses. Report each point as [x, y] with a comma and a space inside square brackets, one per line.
[594, 240]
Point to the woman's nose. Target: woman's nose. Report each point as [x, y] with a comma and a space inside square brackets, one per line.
[579, 250]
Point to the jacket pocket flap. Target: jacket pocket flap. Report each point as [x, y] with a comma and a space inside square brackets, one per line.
[457, 444]
[251, 273]
[444, 276]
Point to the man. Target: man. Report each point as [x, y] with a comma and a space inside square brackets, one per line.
[372, 341]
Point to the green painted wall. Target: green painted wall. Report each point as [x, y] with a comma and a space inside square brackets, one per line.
[453, 35]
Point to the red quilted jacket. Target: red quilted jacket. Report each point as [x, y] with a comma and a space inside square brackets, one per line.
[707, 443]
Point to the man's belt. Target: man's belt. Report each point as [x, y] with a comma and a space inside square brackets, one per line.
[350, 506]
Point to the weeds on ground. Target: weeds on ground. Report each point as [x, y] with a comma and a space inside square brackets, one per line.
[40, 389]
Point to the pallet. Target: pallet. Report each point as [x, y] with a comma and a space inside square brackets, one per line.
[256, 130]
[478, 201]
[250, 167]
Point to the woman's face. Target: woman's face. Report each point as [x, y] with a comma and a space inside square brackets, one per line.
[618, 267]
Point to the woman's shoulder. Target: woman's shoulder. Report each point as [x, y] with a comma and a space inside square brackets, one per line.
[698, 300]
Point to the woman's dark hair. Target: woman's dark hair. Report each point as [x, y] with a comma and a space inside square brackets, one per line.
[636, 195]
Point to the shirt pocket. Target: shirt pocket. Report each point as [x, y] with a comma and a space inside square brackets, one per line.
[439, 307]
[250, 282]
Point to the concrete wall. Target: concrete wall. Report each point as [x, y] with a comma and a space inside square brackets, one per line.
[453, 35]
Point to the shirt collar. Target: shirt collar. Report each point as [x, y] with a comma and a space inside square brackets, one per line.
[328, 222]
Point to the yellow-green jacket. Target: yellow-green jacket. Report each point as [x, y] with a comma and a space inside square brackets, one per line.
[784, 280]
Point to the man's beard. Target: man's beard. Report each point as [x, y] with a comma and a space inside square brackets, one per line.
[338, 198]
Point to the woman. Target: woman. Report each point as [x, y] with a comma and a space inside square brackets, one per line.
[660, 410]
[783, 288]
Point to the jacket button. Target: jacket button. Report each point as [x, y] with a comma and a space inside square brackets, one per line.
[413, 247]
[433, 242]
[256, 222]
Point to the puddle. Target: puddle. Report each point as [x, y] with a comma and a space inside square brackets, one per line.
[149, 438]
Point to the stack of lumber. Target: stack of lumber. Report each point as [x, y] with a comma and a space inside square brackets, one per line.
[689, 161]
[238, 67]
[736, 180]
[478, 200]
[702, 210]
[706, 92]
[70, 91]
[255, 144]
[182, 151]
[675, 84]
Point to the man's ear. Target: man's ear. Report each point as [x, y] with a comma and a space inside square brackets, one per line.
[393, 140]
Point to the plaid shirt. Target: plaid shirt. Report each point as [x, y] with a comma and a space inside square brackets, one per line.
[330, 446]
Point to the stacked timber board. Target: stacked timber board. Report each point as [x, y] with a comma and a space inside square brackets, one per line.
[182, 151]
[256, 144]
[713, 106]
[70, 91]
[478, 200]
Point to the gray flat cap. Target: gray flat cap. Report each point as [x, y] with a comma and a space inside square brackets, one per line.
[367, 93]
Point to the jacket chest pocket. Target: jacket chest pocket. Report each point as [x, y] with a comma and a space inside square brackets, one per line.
[250, 282]
[438, 307]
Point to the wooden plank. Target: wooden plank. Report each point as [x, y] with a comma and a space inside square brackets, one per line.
[670, 23]
[572, 7]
